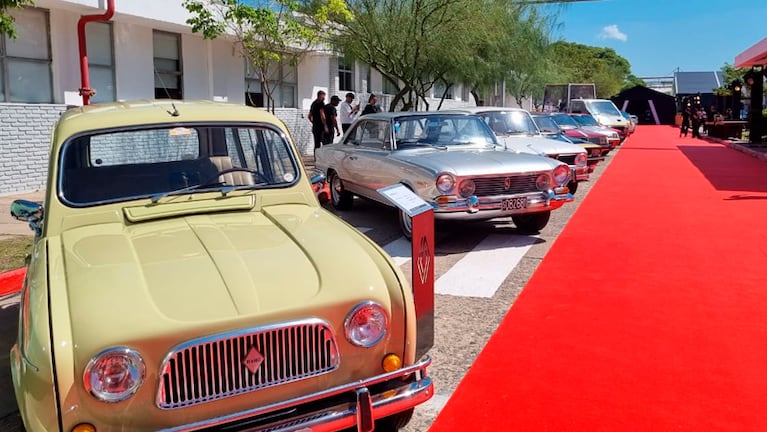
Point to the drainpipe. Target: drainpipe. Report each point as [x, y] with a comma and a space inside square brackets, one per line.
[85, 90]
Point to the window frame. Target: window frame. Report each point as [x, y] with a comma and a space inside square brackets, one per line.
[179, 74]
[110, 67]
[341, 64]
[5, 91]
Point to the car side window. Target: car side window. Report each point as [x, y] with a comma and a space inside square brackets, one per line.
[374, 134]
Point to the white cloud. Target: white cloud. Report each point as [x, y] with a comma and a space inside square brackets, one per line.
[613, 32]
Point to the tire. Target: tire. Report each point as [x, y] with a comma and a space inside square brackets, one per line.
[394, 422]
[531, 223]
[406, 225]
[573, 186]
[339, 197]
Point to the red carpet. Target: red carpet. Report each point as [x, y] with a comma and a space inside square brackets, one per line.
[649, 313]
[10, 282]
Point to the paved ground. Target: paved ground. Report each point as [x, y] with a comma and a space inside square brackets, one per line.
[464, 320]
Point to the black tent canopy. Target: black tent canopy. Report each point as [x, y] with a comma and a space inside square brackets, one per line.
[652, 107]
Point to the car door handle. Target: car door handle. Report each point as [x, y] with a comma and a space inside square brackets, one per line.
[352, 157]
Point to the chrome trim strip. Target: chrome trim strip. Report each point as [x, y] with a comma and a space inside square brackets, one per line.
[423, 386]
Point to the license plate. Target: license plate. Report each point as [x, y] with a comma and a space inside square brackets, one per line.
[510, 204]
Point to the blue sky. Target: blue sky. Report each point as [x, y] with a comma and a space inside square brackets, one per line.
[659, 36]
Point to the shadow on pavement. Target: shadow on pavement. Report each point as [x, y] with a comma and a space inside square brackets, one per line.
[716, 164]
[9, 317]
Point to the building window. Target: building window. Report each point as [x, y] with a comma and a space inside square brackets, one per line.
[25, 62]
[345, 74]
[389, 86]
[282, 81]
[440, 88]
[101, 65]
[364, 79]
[167, 65]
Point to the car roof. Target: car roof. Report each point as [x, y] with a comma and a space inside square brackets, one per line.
[401, 114]
[482, 109]
[154, 112]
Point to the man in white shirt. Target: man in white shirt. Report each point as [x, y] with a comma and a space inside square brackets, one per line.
[348, 113]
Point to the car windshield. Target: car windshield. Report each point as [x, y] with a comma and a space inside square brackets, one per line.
[565, 121]
[585, 120]
[603, 107]
[510, 122]
[546, 124]
[124, 164]
[441, 131]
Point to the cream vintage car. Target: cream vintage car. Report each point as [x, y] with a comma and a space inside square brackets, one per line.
[182, 280]
[453, 161]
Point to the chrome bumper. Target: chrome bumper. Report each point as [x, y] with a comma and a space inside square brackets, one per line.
[580, 173]
[361, 403]
[482, 208]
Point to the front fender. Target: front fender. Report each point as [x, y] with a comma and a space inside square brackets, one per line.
[32, 367]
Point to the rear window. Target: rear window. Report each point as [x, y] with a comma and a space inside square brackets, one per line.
[129, 164]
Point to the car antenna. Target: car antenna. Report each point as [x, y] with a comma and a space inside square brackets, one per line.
[175, 112]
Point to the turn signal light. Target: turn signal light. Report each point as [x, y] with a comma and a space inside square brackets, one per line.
[84, 427]
[442, 199]
[391, 363]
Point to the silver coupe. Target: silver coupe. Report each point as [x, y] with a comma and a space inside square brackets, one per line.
[452, 161]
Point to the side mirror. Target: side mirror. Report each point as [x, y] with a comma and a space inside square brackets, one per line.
[30, 212]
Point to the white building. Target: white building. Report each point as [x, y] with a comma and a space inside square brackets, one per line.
[146, 51]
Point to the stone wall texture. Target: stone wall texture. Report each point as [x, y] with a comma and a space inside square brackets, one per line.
[25, 136]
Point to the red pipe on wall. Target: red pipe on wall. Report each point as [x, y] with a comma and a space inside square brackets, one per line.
[85, 90]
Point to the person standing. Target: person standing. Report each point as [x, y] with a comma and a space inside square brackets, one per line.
[317, 118]
[371, 107]
[348, 113]
[685, 122]
[696, 123]
[331, 117]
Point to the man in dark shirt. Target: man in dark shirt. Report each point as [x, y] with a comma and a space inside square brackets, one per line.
[372, 106]
[331, 119]
[317, 117]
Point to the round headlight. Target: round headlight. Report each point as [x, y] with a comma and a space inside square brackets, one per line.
[581, 159]
[366, 324]
[445, 183]
[467, 188]
[115, 374]
[562, 174]
[543, 182]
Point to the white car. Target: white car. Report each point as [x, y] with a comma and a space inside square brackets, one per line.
[516, 131]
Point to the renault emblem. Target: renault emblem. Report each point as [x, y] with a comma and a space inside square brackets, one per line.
[253, 360]
[507, 183]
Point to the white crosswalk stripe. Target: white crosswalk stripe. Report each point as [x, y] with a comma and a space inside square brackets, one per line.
[482, 271]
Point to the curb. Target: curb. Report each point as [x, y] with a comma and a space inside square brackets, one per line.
[762, 156]
[10, 282]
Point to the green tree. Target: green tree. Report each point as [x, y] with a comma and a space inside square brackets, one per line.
[268, 33]
[6, 20]
[731, 73]
[588, 64]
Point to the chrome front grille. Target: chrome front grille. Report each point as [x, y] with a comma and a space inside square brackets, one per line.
[601, 140]
[568, 159]
[493, 186]
[233, 363]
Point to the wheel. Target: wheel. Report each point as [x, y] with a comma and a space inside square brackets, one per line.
[394, 422]
[406, 224]
[573, 186]
[531, 223]
[339, 197]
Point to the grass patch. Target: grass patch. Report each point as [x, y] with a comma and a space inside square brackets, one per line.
[13, 250]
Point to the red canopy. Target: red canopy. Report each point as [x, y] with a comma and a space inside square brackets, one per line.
[754, 56]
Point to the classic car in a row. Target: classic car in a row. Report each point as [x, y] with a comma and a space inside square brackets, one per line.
[604, 111]
[516, 131]
[589, 123]
[550, 129]
[181, 280]
[453, 161]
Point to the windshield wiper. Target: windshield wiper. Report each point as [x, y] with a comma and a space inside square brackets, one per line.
[209, 183]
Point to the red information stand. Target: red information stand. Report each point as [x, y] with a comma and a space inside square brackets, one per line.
[422, 273]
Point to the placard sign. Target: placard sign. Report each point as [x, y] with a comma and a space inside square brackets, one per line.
[405, 199]
[422, 268]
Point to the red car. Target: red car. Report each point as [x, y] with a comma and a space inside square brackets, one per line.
[570, 128]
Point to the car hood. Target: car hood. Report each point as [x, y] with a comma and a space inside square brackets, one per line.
[600, 130]
[466, 162]
[214, 267]
[539, 145]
